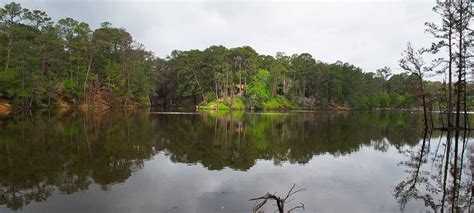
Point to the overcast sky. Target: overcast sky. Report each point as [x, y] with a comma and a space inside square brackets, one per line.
[368, 34]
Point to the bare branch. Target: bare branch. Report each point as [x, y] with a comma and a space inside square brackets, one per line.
[301, 206]
[289, 192]
[299, 190]
[280, 202]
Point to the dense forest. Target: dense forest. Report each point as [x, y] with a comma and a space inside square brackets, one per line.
[66, 63]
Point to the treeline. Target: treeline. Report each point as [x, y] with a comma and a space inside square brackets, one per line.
[46, 64]
[299, 81]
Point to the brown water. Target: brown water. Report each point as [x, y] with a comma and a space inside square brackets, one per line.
[215, 162]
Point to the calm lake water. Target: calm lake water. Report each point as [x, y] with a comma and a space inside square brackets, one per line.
[137, 161]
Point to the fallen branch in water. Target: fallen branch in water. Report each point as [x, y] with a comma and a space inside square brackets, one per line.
[261, 201]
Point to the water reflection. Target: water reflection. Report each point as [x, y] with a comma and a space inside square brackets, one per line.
[43, 155]
[237, 139]
[439, 173]
[40, 153]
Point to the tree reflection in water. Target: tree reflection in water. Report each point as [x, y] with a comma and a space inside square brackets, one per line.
[40, 153]
[237, 139]
[44, 153]
[440, 173]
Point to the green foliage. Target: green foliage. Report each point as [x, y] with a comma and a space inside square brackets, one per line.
[278, 102]
[8, 82]
[258, 90]
[209, 96]
[237, 103]
[72, 89]
[43, 62]
[114, 79]
[214, 105]
[382, 99]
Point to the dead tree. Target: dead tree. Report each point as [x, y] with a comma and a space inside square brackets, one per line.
[413, 63]
[280, 201]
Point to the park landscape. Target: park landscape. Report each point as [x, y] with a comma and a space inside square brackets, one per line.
[92, 121]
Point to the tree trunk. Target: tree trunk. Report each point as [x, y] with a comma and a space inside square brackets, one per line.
[70, 63]
[226, 86]
[163, 96]
[425, 114]
[460, 67]
[128, 88]
[245, 85]
[431, 115]
[450, 82]
[94, 84]
[240, 83]
[215, 88]
[304, 88]
[199, 85]
[466, 116]
[9, 50]
[87, 76]
[273, 90]
[45, 72]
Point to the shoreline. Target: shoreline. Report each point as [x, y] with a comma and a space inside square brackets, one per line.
[8, 109]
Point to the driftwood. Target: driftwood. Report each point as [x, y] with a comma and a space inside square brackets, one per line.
[280, 201]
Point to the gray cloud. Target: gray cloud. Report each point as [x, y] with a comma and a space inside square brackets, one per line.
[367, 34]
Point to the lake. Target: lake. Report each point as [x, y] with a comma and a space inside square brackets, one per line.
[139, 161]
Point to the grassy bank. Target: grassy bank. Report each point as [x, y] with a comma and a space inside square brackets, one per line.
[234, 103]
[241, 103]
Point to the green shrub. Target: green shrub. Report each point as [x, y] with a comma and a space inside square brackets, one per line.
[71, 88]
[237, 103]
[209, 96]
[8, 82]
[278, 102]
